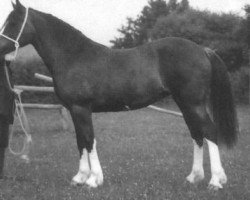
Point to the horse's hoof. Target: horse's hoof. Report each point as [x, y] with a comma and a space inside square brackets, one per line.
[94, 180]
[74, 183]
[217, 183]
[223, 179]
[80, 178]
[213, 187]
[25, 158]
[195, 177]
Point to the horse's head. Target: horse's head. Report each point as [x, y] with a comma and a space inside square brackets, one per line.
[17, 29]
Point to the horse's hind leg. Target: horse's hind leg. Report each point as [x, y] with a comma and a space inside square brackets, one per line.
[201, 126]
[194, 116]
[90, 171]
[218, 174]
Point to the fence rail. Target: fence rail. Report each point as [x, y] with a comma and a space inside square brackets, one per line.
[34, 88]
[41, 106]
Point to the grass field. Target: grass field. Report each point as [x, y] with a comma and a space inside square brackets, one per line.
[144, 154]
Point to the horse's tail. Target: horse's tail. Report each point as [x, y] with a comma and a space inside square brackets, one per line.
[222, 103]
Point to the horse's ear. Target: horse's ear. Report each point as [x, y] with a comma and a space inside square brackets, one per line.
[13, 4]
[16, 4]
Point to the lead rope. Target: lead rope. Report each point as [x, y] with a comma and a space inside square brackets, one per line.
[18, 103]
[23, 122]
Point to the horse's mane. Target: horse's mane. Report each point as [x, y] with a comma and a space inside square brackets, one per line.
[67, 33]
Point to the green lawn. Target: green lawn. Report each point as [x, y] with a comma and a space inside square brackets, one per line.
[144, 155]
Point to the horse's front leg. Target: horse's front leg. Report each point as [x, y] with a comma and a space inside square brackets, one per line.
[197, 173]
[4, 140]
[90, 171]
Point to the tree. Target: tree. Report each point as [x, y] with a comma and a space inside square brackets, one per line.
[188, 24]
[247, 10]
[247, 24]
[138, 31]
[183, 6]
[129, 34]
[217, 31]
[172, 4]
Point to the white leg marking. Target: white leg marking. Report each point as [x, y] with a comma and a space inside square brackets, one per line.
[218, 175]
[96, 176]
[84, 169]
[197, 173]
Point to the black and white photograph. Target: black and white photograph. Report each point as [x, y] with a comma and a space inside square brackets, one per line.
[124, 100]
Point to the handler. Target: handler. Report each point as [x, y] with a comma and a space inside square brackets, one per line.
[6, 111]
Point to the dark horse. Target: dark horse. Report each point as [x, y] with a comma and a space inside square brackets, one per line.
[89, 77]
[6, 113]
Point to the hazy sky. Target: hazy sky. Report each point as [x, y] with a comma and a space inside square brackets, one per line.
[100, 19]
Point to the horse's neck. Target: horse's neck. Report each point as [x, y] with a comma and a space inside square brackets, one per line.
[55, 46]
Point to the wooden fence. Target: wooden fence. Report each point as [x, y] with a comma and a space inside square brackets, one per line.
[66, 119]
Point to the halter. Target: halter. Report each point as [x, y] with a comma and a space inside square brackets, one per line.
[16, 41]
